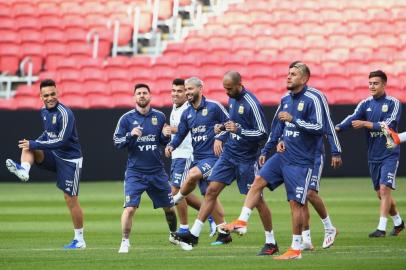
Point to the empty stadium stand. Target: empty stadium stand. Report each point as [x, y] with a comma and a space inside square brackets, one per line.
[342, 41]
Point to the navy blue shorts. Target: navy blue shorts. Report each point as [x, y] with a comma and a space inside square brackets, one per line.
[317, 171]
[296, 178]
[384, 173]
[205, 166]
[179, 170]
[67, 171]
[156, 186]
[226, 170]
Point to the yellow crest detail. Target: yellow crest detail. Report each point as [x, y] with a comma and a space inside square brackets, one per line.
[300, 106]
[54, 119]
[241, 109]
[384, 107]
[154, 120]
[204, 112]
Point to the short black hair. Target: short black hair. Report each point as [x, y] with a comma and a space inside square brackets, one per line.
[46, 83]
[302, 67]
[178, 82]
[379, 73]
[141, 85]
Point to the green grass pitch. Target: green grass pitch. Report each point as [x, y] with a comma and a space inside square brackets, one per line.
[34, 224]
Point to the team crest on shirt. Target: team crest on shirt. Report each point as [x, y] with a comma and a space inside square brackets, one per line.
[204, 112]
[300, 106]
[54, 119]
[384, 107]
[154, 120]
[241, 109]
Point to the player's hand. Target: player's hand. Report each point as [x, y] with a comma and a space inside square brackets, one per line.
[166, 130]
[280, 147]
[218, 128]
[261, 160]
[231, 126]
[168, 151]
[285, 116]
[174, 129]
[336, 162]
[218, 147]
[24, 144]
[136, 132]
[357, 124]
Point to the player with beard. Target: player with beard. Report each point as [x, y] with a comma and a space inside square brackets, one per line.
[143, 132]
[245, 131]
[199, 119]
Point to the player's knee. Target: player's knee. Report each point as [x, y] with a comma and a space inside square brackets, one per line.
[130, 210]
[384, 191]
[212, 192]
[194, 175]
[311, 195]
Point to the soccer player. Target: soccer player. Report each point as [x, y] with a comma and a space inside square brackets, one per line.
[182, 158]
[199, 119]
[57, 149]
[246, 130]
[313, 196]
[299, 119]
[372, 114]
[143, 132]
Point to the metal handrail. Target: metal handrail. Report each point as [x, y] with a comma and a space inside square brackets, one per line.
[95, 35]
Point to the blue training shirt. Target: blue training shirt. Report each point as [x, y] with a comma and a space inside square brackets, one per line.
[200, 122]
[60, 134]
[248, 114]
[301, 136]
[383, 109]
[329, 128]
[145, 152]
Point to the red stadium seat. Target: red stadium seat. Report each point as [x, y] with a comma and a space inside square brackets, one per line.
[75, 101]
[28, 103]
[96, 101]
[27, 91]
[10, 58]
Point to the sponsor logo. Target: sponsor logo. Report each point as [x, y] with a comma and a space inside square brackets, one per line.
[290, 133]
[135, 122]
[147, 138]
[376, 134]
[199, 138]
[189, 116]
[199, 129]
[147, 147]
[285, 106]
[369, 110]
[127, 198]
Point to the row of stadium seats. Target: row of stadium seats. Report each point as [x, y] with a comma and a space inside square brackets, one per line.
[43, 28]
[340, 53]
